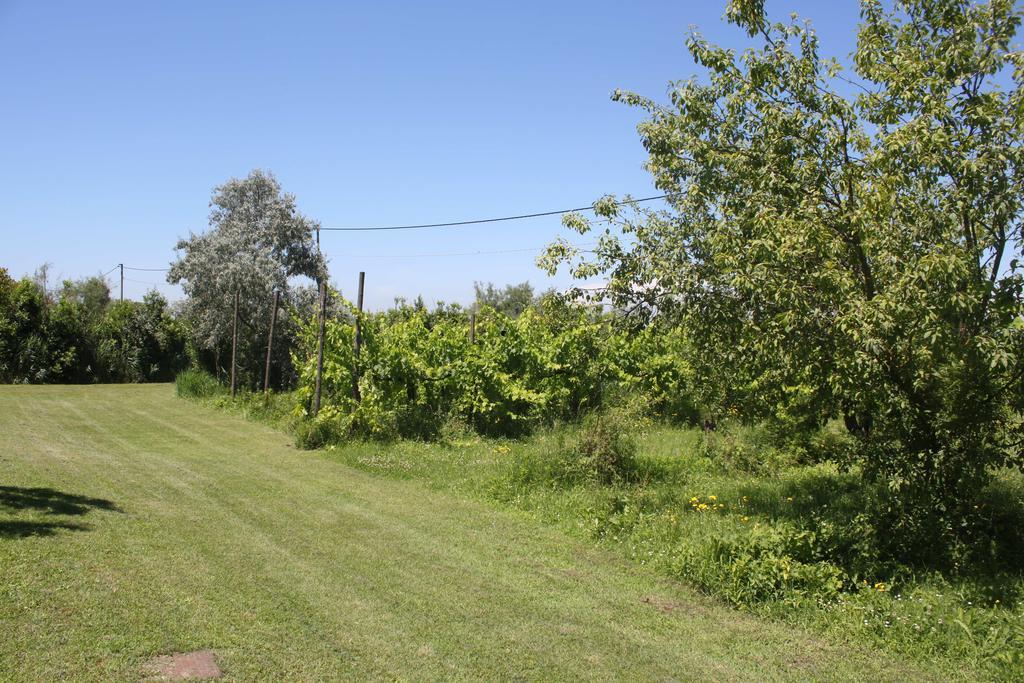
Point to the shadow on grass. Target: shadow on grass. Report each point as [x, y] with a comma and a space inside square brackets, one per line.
[51, 501]
[46, 501]
[25, 529]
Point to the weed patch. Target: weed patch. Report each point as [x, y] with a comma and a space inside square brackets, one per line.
[194, 383]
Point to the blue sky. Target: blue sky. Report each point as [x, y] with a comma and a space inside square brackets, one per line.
[117, 120]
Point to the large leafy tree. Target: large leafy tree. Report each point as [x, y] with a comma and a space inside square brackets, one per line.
[91, 292]
[512, 300]
[258, 241]
[845, 243]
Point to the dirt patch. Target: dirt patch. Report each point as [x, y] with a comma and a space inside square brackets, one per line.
[200, 665]
[665, 605]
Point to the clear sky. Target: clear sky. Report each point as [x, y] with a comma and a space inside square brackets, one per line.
[118, 118]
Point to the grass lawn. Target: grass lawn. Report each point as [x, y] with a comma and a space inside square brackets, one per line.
[134, 525]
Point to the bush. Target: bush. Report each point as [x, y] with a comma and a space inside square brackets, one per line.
[419, 371]
[606, 450]
[193, 383]
[326, 429]
[312, 435]
[77, 335]
[763, 564]
[601, 452]
[738, 448]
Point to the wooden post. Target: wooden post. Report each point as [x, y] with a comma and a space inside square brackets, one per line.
[270, 342]
[359, 337]
[472, 328]
[234, 344]
[318, 387]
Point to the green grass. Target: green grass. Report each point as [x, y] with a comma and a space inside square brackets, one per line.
[969, 626]
[133, 524]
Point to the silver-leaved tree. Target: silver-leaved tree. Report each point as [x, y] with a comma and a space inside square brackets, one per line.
[257, 242]
[845, 243]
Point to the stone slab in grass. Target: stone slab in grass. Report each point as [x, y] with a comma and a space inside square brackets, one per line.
[200, 665]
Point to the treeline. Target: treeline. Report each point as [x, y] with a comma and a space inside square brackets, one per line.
[77, 334]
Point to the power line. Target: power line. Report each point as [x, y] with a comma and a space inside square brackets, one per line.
[430, 225]
[455, 253]
[495, 220]
[143, 282]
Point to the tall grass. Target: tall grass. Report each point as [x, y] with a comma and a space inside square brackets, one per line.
[194, 383]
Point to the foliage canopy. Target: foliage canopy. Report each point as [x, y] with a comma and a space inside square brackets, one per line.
[258, 240]
[77, 334]
[846, 244]
[419, 372]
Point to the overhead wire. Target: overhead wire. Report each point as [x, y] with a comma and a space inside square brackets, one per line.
[144, 282]
[478, 221]
[456, 253]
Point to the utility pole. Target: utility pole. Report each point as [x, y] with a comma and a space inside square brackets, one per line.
[318, 384]
[318, 387]
[472, 328]
[270, 342]
[359, 337]
[234, 344]
[121, 266]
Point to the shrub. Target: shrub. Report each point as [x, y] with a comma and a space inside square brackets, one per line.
[762, 565]
[455, 429]
[418, 371]
[193, 383]
[602, 452]
[744, 449]
[331, 426]
[606, 450]
[313, 434]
